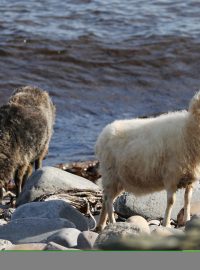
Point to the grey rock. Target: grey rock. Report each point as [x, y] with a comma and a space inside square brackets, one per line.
[153, 227]
[65, 237]
[194, 223]
[54, 246]
[117, 231]
[52, 209]
[49, 180]
[151, 206]
[29, 246]
[86, 240]
[150, 242]
[164, 231]
[32, 230]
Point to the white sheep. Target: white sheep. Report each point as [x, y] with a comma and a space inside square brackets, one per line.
[148, 155]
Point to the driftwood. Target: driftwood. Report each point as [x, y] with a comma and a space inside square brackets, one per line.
[86, 201]
[86, 169]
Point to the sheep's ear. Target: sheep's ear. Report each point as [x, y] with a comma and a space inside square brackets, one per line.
[194, 106]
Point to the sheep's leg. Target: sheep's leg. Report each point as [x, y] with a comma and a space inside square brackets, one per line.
[27, 174]
[38, 162]
[110, 193]
[103, 218]
[109, 206]
[1, 195]
[21, 171]
[187, 200]
[171, 196]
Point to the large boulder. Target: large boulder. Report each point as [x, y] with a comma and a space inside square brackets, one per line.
[151, 206]
[52, 209]
[32, 230]
[50, 180]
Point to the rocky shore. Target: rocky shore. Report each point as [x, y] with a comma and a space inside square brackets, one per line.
[58, 209]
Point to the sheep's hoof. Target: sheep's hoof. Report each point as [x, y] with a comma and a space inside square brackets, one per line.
[98, 229]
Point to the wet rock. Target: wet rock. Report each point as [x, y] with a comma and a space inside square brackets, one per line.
[117, 231]
[151, 206]
[65, 237]
[32, 230]
[52, 209]
[86, 240]
[4, 244]
[50, 180]
[139, 223]
[86, 169]
[194, 210]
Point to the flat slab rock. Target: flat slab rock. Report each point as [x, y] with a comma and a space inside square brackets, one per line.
[51, 180]
[32, 230]
[151, 206]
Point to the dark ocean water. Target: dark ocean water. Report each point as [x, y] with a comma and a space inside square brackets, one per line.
[100, 60]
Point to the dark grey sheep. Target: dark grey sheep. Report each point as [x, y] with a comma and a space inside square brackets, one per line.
[26, 126]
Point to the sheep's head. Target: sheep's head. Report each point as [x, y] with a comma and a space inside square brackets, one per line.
[194, 106]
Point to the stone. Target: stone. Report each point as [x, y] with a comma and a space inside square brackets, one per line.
[29, 246]
[49, 180]
[32, 230]
[153, 227]
[117, 231]
[139, 223]
[65, 237]
[151, 206]
[4, 244]
[52, 209]
[194, 210]
[192, 224]
[154, 222]
[54, 246]
[165, 231]
[150, 242]
[86, 240]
